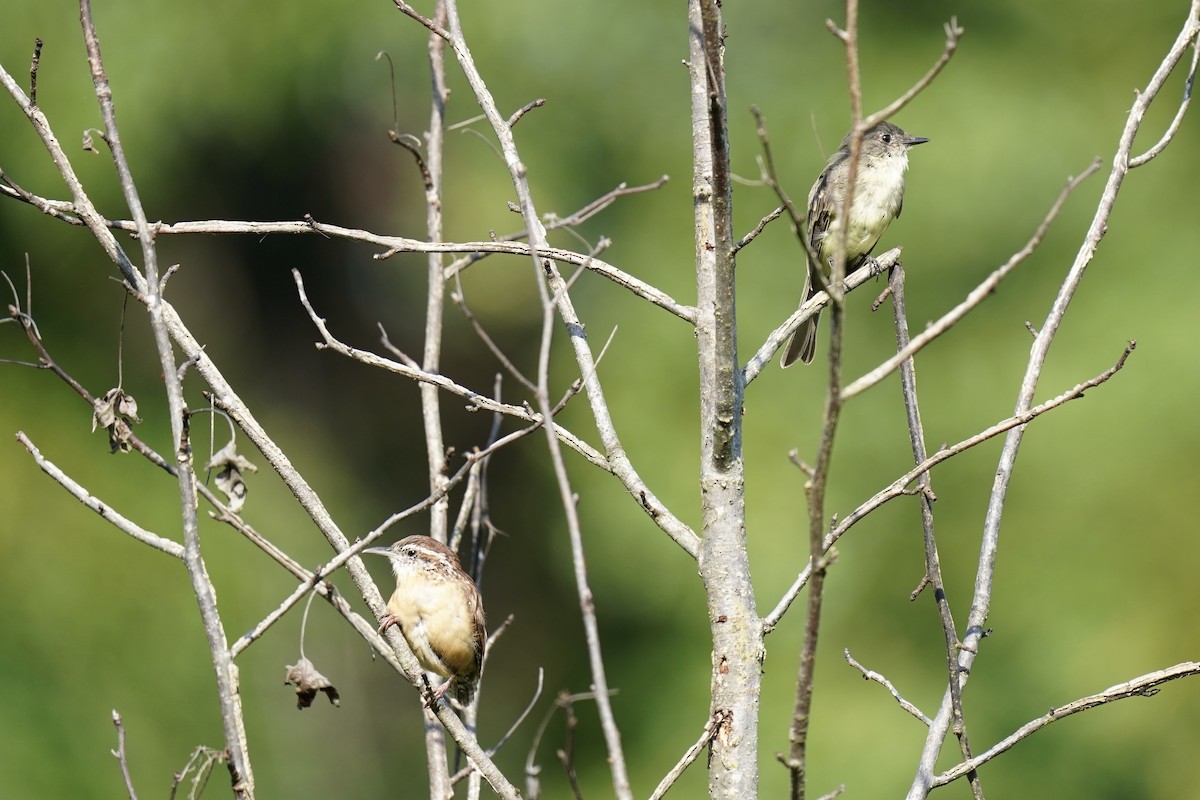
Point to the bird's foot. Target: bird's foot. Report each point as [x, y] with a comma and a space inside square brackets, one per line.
[434, 696]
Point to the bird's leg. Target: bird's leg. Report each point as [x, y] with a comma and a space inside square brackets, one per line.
[387, 621]
[876, 267]
[434, 696]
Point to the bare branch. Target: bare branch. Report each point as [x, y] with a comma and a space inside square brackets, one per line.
[985, 572]
[1173, 128]
[478, 401]
[711, 728]
[433, 27]
[460, 300]
[544, 263]
[974, 298]
[1143, 686]
[953, 33]
[392, 244]
[898, 487]
[933, 566]
[771, 178]
[525, 109]
[555, 295]
[871, 675]
[105, 511]
[762, 224]
[119, 753]
[33, 71]
[241, 773]
[431, 414]
[762, 357]
[815, 487]
[491, 751]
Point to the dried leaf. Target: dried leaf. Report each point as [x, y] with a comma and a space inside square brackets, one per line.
[127, 407]
[228, 456]
[114, 412]
[230, 465]
[304, 676]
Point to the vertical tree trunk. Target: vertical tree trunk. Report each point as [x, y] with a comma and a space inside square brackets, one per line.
[724, 566]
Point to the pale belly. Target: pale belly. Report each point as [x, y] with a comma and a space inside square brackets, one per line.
[438, 625]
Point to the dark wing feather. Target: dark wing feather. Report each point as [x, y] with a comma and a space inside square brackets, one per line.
[466, 683]
[820, 210]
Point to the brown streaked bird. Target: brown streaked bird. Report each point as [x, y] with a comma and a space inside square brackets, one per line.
[438, 609]
[878, 199]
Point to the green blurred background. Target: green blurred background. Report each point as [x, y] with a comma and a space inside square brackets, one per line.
[272, 110]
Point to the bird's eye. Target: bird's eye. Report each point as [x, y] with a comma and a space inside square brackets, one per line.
[887, 138]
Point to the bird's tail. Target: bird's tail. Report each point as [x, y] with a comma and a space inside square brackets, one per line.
[803, 344]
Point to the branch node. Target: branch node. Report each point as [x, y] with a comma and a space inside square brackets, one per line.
[836, 31]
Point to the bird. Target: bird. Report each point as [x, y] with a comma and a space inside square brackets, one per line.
[439, 610]
[878, 199]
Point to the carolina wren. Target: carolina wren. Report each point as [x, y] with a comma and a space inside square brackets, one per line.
[439, 611]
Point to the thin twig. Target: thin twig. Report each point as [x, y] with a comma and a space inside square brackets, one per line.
[711, 728]
[478, 400]
[119, 753]
[1143, 686]
[897, 488]
[762, 224]
[57, 209]
[491, 751]
[976, 296]
[835, 793]
[434, 28]
[775, 340]
[391, 244]
[229, 698]
[221, 513]
[566, 754]
[554, 222]
[431, 414]
[770, 176]
[525, 109]
[458, 297]
[200, 764]
[953, 33]
[106, 512]
[554, 294]
[933, 566]
[815, 487]
[871, 675]
[543, 261]
[33, 71]
[1173, 128]
[228, 400]
[988, 552]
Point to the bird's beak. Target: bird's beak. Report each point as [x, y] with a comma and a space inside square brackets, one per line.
[379, 551]
[912, 140]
